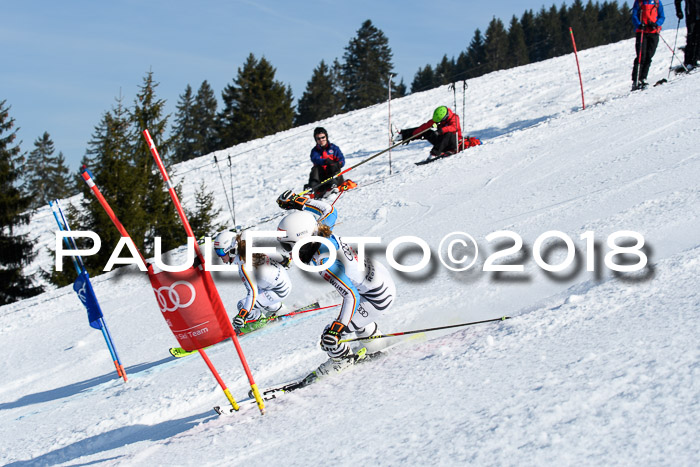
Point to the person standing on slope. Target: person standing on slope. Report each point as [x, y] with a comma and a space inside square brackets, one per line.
[647, 16]
[266, 281]
[367, 289]
[692, 37]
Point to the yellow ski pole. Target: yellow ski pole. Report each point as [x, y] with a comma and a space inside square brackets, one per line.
[405, 333]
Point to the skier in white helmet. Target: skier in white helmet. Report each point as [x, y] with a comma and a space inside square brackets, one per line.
[367, 289]
[266, 281]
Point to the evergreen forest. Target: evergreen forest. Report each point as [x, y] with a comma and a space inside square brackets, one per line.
[256, 103]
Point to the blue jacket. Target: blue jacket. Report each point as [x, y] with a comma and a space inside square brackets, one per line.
[327, 154]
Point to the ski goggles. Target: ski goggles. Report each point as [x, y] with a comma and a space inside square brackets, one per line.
[221, 252]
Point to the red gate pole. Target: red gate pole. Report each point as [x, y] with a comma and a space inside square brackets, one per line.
[98, 194]
[580, 80]
[190, 233]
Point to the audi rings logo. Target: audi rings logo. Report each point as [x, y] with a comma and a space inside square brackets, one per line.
[172, 297]
[82, 293]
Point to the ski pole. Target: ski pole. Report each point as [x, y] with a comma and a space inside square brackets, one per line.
[405, 333]
[364, 161]
[293, 313]
[464, 106]
[389, 105]
[216, 163]
[639, 58]
[233, 199]
[673, 52]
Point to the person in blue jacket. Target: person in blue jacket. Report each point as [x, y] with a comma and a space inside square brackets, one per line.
[367, 289]
[647, 16]
[328, 160]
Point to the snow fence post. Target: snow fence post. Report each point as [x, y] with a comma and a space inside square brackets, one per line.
[580, 79]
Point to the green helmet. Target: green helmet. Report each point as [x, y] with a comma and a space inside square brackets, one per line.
[440, 114]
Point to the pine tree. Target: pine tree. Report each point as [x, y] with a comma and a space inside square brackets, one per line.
[60, 178]
[203, 218]
[322, 98]
[461, 66]
[594, 28]
[194, 131]
[576, 21]
[159, 216]
[527, 23]
[615, 22]
[36, 175]
[424, 79]
[46, 176]
[496, 46]
[256, 105]
[444, 72]
[366, 67]
[16, 251]
[108, 157]
[517, 50]
[476, 56]
[184, 131]
[398, 90]
[549, 34]
[204, 111]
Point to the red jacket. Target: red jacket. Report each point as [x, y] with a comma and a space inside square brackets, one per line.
[448, 125]
[646, 12]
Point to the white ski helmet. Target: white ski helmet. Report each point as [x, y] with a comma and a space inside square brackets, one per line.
[296, 225]
[225, 243]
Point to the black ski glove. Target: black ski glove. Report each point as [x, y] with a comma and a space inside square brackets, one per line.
[679, 13]
[652, 25]
[405, 135]
[239, 320]
[290, 200]
[331, 336]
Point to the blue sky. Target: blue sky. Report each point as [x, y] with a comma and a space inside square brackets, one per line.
[64, 63]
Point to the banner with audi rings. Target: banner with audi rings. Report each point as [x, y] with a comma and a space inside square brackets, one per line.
[191, 307]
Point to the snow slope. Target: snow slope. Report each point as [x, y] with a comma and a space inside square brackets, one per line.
[594, 367]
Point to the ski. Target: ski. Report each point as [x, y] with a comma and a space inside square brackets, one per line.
[179, 352]
[361, 356]
[432, 159]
